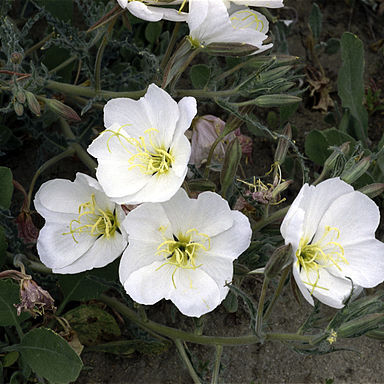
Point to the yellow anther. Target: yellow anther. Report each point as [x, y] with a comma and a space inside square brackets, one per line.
[182, 250]
[332, 337]
[312, 257]
[93, 220]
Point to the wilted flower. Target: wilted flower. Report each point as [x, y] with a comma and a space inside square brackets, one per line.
[150, 11]
[82, 229]
[209, 22]
[206, 129]
[143, 154]
[183, 250]
[332, 231]
[246, 144]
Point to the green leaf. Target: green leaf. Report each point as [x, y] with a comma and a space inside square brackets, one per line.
[92, 324]
[50, 356]
[231, 303]
[351, 82]
[152, 32]
[3, 246]
[316, 147]
[8, 141]
[200, 75]
[62, 9]
[10, 358]
[9, 295]
[315, 20]
[6, 187]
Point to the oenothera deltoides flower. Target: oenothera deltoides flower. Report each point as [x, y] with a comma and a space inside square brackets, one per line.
[149, 10]
[183, 250]
[82, 225]
[332, 231]
[143, 153]
[209, 22]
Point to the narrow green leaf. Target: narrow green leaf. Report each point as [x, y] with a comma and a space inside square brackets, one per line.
[6, 187]
[351, 82]
[3, 246]
[50, 356]
[315, 20]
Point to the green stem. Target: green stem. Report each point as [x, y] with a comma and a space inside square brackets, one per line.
[174, 333]
[67, 153]
[33, 265]
[322, 176]
[260, 308]
[19, 331]
[277, 293]
[171, 46]
[80, 151]
[39, 44]
[270, 219]
[63, 64]
[187, 362]
[216, 369]
[210, 155]
[202, 94]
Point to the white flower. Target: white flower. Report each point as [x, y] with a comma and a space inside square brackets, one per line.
[148, 10]
[332, 231]
[82, 226]
[143, 153]
[183, 250]
[209, 22]
[256, 3]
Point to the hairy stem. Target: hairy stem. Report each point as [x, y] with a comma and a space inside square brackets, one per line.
[270, 219]
[260, 308]
[187, 361]
[216, 369]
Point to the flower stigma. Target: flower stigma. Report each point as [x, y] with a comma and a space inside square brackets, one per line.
[145, 154]
[322, 254]
[182, 250]
[93, 221]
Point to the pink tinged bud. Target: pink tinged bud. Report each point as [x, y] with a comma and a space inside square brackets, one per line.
[373, 190]
[246, 143]
[206, 130]
[62, 110]
[16, 57]
[26, 229]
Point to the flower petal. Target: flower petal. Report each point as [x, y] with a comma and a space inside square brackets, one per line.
[196, 293]
[188, 110]
[57, 250]
[102, 252]
[147, 13]
[302, 287]
[181, 151]
[149, 284]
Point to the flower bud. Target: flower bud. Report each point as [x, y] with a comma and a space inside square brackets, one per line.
[360, 326]
[19, 109]
[26, 229]
[279, 100]
[231, 163]
[358, 169]
[279, 260]
[334, 157]
[16, 57]
[246, 144]
[33, 104]
[206, 130]
[281, 187]
[230, 49]
[373, 190]
[283, 145]
[20, 96]
[201, 185]
[62, 110]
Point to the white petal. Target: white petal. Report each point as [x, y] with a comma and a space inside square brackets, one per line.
[188, 110]
[144, 12]
[123, 3]
[260, 3]
[218, 269]
[355, 215]
[145, 221]
[247, 19]
[58, 200]
[232, 242]
[102, 252]
[196, 293]
[181, 151]
[365, 263]
[159, 188]
[149, 284]
[198, 13]
[57, 250]
[302, 287]
[330, 290]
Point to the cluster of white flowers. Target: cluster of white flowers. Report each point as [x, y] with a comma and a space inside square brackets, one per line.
[183, 249]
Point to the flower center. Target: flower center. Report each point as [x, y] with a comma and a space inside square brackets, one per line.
[93, 221]
[326, 252]
[145, 154]
[182, 250]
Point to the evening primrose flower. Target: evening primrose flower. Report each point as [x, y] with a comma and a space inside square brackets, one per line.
[209, 22]
[82, 225]
[183, 250]
[332, 231]
[150, 11]
[143, 154]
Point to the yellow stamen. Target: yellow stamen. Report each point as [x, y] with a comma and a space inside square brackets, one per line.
[93, 221]
[249, 16]
[183, 249]
[311, 257]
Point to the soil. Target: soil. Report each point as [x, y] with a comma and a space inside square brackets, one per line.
[362, 360]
